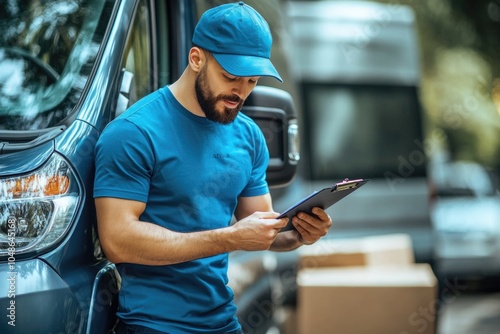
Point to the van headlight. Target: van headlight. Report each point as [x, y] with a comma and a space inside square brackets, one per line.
[36, 209]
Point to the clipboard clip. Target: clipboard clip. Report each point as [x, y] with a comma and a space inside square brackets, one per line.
[346, 184]
[334, 185]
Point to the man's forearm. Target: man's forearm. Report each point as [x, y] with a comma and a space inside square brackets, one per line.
[149, 244]
[286, 241]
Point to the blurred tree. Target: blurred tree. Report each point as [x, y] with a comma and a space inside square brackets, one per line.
[460, 48]
[46, 30]
[484, 18]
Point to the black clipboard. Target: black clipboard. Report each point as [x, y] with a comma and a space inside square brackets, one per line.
[323, 198]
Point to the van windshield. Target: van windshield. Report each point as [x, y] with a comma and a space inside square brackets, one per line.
[363, 131]
[47, 50]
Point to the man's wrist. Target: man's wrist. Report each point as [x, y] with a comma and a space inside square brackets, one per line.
[301, 240]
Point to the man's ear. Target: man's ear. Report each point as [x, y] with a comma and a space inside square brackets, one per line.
[196, 59]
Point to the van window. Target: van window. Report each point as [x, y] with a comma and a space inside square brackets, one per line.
[137, 57]
[47, 50]
[361, 130]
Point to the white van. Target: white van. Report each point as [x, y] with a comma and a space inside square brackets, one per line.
[357, 66]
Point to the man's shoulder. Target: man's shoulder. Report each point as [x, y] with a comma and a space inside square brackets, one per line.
[247, 124]
[245, 121]
[142, 109]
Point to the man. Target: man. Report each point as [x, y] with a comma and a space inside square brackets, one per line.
[173, 170]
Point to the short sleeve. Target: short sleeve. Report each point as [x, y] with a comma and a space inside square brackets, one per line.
[257, 184]
[124, 162]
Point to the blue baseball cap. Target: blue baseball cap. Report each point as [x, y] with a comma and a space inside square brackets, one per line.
[239, 39]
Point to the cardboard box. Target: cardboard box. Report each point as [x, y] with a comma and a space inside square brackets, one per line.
[375, 300]
[391, 249]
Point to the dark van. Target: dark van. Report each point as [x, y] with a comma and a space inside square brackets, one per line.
[67, 68]
[357, 67]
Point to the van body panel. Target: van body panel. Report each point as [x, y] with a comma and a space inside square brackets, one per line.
[15, 163]
[357, 66]
[69, 286]
[36, 283]
[354, 41]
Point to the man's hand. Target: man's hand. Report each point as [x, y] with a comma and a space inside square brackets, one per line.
[258, 231]
[310, 228]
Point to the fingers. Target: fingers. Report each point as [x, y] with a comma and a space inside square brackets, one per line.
[265, 215]
[321, 214]
[278, 224]
[312, 227]
[311, 222]
[282, 222]
[271, 217]
[258, 231]
[305, 224]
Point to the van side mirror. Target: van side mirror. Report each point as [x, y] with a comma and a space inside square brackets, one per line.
[274, 112]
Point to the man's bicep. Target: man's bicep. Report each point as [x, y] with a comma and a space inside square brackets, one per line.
[116, 219]
[123, 167]
[114, 213]
[248, 205]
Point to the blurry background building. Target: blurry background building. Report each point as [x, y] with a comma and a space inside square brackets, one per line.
[460, 49]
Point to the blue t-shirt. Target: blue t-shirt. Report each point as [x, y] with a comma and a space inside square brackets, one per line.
[190, 172]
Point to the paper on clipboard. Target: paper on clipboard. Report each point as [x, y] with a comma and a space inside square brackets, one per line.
[323, 198]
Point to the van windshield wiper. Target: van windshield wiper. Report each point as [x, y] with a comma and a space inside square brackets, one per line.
[18, 140]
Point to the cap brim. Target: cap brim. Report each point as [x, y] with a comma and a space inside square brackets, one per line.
[247, 66]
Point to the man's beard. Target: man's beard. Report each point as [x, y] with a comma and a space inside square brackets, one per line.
[208, 101]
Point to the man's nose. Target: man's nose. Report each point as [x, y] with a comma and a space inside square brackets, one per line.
[242, 88]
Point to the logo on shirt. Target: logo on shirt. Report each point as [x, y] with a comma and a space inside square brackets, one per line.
[221, 155]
